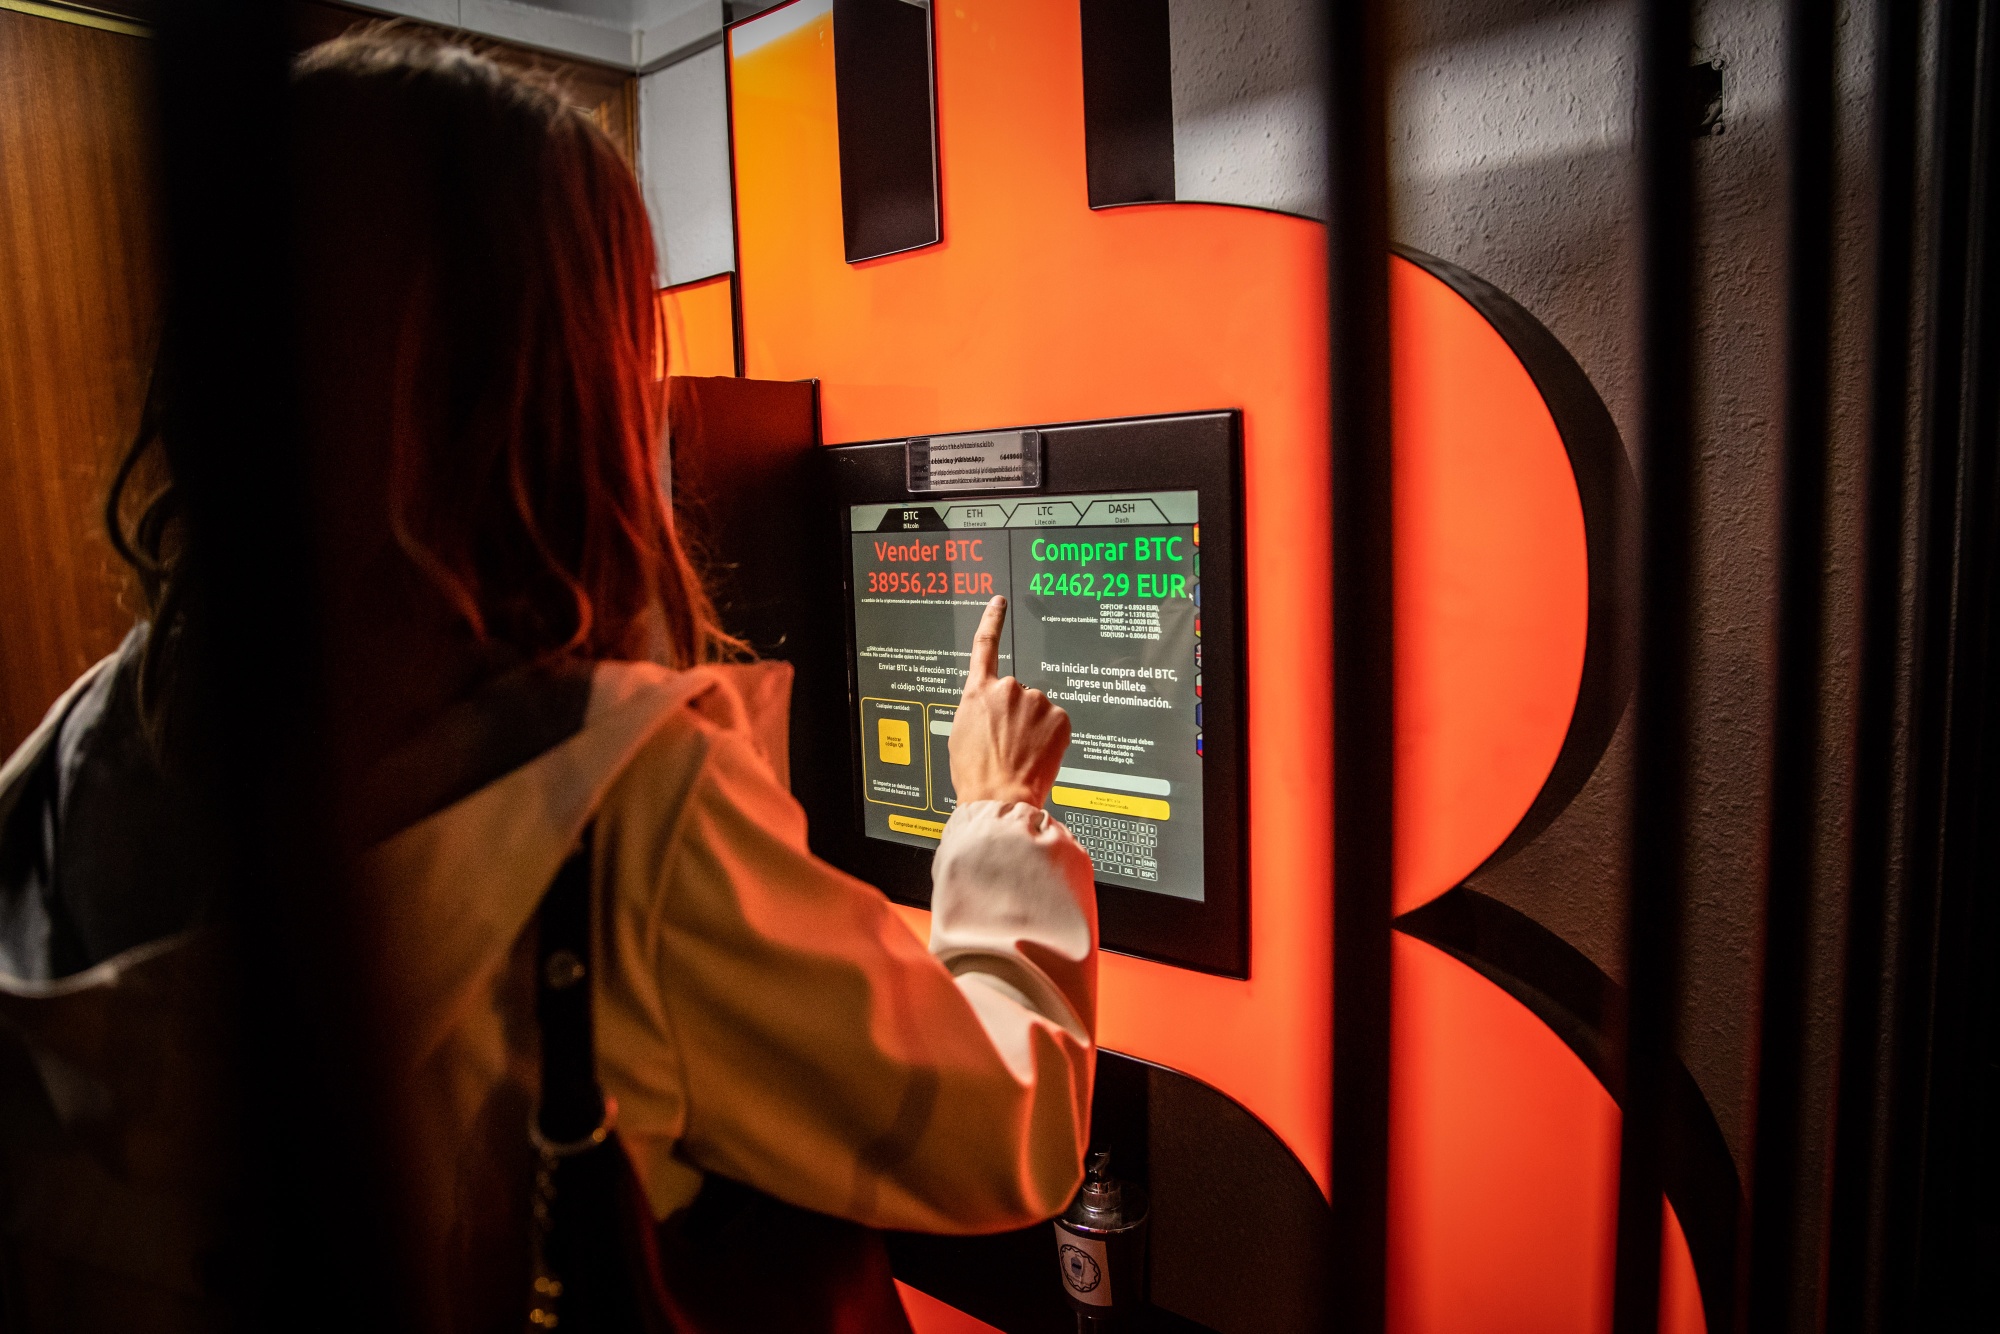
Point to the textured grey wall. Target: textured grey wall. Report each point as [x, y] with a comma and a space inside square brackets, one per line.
[1512, 154]
[1535, 193]
[1247, 122]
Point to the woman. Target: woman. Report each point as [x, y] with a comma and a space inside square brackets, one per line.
[521, 652]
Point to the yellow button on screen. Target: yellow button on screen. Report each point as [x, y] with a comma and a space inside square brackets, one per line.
[1111, 803]
[904, 824]
[892, 736]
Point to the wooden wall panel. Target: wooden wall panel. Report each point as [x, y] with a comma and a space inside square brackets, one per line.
[79, 304]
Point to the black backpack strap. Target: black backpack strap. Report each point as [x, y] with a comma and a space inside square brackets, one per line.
[738, 1261]
[594, 1252]
[572, 1109]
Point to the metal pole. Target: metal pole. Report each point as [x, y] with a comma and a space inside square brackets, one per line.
[1855, 1236]
[1363, 656]
[1771, 1291]
[1659, 790]
[1941, 1170]
[317, 1207]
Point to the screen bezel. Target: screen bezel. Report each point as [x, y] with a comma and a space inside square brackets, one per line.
[1199, 452]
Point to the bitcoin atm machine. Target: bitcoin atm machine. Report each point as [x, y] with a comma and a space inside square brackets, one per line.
[1115, 544]
[1047, 363]
[1118, 546]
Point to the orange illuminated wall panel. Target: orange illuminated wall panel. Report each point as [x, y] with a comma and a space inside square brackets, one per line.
[1032, 309]
[700, 323]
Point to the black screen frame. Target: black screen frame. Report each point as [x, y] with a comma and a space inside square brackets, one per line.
[1200, 452]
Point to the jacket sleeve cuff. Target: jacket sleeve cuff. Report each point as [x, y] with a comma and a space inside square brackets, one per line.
[1013, 900]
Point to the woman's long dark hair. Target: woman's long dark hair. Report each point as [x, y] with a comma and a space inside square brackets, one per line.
[151, 545]
[523, 479]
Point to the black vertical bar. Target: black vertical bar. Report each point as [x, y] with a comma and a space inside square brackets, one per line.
[1947, 1060]
[886, 107]
[1855, 1236]
[1363, 656]
[1962, 131]
[316, 1207]
[1772, 1287]
[735, 214]
[1128, 101]
[1660, 740]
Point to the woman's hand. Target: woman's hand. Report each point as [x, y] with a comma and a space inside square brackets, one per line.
[1007, 742]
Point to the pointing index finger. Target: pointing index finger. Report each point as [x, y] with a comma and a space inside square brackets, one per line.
[986, 646]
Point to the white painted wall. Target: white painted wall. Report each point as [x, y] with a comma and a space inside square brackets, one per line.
[684, 167]
[683, 113]
[630, 34]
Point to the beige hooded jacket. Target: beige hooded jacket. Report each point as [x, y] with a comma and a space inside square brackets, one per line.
[759, 1013]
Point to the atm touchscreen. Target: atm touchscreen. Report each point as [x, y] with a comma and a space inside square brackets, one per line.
[1117, 546]
[1104, 616]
